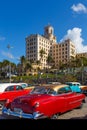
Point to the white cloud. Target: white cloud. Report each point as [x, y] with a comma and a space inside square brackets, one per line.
[2, 38]
[79, 8]
[75, 36]
[7, 54]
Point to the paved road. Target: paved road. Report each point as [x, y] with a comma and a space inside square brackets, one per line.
[74, 114]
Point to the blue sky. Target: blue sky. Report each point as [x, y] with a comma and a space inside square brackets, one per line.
[20, 18]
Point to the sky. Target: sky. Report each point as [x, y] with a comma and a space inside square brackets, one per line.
[20, 18]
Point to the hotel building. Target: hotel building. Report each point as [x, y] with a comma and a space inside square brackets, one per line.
[63, 52]
[79, 55]
[60, 52]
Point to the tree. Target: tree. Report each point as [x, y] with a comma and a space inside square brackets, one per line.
[23, 64]
[42, 52]
[38, 64]
[6, 65]
[28, 67]
[50, 61]
[13, 67]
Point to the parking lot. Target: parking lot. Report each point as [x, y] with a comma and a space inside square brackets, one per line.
[73, 114]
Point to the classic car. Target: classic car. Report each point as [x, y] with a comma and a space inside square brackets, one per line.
[44, 102]
[24, 85]
[75, 86]
[84, 90]
[3, 86]
[10, 91]
[30, 86]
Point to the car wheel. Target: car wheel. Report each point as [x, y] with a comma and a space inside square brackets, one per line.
[1, 106]
[55, 116]
[80, 106]
[84, 101]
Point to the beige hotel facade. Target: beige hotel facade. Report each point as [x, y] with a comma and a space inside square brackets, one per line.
[60, 52]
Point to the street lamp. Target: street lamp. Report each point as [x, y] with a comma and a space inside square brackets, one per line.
[82, 67]
[8, 46]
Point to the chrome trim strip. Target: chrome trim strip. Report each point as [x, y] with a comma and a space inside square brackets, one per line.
[21, 114]
[75, 101]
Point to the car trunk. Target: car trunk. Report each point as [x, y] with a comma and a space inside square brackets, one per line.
[27, 103]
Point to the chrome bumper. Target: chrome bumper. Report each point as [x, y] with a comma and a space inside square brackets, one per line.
[21, 114]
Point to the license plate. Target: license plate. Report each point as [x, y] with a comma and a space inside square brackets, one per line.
[18, 110]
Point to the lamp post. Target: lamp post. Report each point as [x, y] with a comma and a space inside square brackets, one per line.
[82, 66]
[8, 46]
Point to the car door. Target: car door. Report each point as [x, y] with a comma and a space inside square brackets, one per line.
[73, 99]
[61, 93]
[60, 101]
[68, 97]
[20, 91]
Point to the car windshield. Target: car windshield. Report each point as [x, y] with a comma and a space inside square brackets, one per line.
[43, 90]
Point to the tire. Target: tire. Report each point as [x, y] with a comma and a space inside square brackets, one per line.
[84, 101]
[55, 116]
[81, 105]
[1, 106]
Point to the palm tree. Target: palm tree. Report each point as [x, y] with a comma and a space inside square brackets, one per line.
[13, 67]
[23, 64]
[38, 64]
[83, 64]
[42, 52]
[1, 66]
[50, 61]
[6, 65]
[28, 67]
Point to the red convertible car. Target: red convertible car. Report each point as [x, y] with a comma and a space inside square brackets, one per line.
[44, 102]
[10, 92]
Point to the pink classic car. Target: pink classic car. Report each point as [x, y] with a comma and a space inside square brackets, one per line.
[44, 102]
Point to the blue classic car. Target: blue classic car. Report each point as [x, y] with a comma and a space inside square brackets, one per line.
[75, 86]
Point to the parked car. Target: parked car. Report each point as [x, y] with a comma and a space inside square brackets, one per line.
[10, 91]
[30, 86]
[24, 85]
[44, 102]
[75, 86]
[84, 90]
[73, 83]
[3, 86]
[54, 83]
